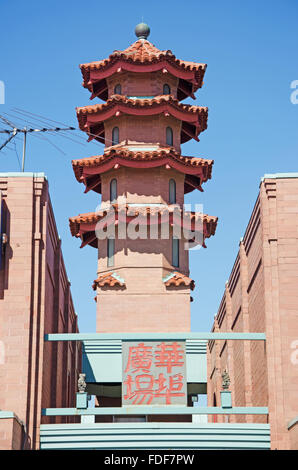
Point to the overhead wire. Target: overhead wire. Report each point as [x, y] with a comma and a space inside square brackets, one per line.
[15, 147]
[52, 132]
[33, 119]
[29, 122]
[7, 141]
[43, 137]
[7, 122]
[46, 120]
[40, 136]
[43, 117]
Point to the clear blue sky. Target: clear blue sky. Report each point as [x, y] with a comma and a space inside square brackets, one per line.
[251, 51]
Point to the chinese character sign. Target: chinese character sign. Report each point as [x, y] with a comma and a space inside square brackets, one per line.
[154, 373]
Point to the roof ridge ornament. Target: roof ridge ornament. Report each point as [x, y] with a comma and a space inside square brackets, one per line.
[142, 31]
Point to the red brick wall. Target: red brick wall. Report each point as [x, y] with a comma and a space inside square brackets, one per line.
[12, 436]
[148, 186]
[33, 285]
[263, 293]
[145, 84]
[143, 129]
[61, 359]
[279, 207]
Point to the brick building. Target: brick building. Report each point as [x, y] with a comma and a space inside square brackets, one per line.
[143, 352]
[35, 299]
[261, 295]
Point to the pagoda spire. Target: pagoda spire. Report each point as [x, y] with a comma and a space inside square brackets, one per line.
[142, 30]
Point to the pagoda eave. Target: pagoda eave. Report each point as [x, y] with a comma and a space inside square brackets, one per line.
[91, 118]
[84, 226]
[89, 170]
[146, 159]
[142, 57]
[94, 72]
[117, 105]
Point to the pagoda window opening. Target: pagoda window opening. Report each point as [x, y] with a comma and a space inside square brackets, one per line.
[166, 89]
[115, 136]
[111, 251]
[169, 136]
[117, 89]
[175, 252]
[113, 190]
[172, 191]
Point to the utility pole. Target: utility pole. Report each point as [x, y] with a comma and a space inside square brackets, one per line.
[14, 130]
[24, 149]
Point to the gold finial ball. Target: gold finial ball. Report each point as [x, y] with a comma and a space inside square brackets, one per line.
[142, 31]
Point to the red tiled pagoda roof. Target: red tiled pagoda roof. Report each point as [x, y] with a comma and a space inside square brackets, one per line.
[84, 225]
[91, 118]
[142, 56]
[89, 170]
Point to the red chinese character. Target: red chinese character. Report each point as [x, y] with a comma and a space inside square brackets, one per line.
[173, 390]
[169, 356]
[139, 358]
[143, 388]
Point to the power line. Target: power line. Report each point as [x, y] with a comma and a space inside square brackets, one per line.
[9, 139]
[15, 147]
[46, 120]
[70, 138]
[31, 130]
[6, 121]
[38, 115]
[43, 137]
[62, 134]
[33, 127]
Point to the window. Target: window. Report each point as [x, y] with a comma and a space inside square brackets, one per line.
[111, 251]
[117, 89]
[166, 89]
[115, 136]
[172, 192]
[175, 252]
[113, 190]
[169, 136]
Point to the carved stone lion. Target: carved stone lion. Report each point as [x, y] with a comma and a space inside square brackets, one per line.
[225, 380]
[81, 383]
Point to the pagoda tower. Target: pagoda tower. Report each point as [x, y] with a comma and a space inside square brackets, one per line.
[143, 282]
